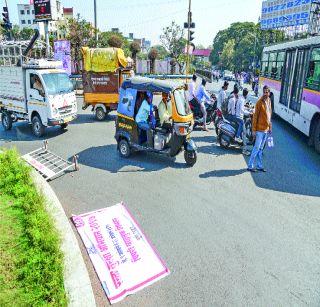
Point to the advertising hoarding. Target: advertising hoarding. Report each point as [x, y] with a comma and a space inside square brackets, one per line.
[42, 10]
[285, 13]
[62, 52]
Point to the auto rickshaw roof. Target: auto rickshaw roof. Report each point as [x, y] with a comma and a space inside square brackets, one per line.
[148, 84]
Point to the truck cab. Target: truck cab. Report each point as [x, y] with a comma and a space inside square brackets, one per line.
[36, 90]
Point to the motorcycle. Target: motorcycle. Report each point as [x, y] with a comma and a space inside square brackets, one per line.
[197, 114]
[226, 130]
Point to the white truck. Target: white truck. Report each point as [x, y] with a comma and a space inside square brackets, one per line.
[35, 90]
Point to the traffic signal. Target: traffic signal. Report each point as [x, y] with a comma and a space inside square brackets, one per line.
[6, 21]
[191, 38]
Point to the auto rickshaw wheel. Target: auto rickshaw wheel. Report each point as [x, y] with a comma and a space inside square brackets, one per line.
[100, 114]
[190, 157]
[124, 148]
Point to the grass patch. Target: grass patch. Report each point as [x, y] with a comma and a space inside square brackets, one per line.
[31, 263]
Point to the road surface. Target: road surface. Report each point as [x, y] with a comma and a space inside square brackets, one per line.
[229, 237]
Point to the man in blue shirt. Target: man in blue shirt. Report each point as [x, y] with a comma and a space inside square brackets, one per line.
[142, 118]
[202, 93]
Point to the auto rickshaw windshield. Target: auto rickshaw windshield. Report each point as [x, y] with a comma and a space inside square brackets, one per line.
[182, 104]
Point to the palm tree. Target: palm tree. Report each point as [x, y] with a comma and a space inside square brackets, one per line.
[152, 56]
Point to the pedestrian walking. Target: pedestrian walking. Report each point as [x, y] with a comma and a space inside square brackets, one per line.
[261, 126]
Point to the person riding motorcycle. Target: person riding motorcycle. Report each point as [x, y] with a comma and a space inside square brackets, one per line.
[202, 93]
[235, 112]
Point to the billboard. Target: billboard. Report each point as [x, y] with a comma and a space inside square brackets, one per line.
[285, 13]
[42, 10]
[62, 52]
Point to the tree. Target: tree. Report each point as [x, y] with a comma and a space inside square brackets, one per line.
[152, 56]
[26, 33]
[249, 39]
[135, 48]
[80, 33]
[173, 41]
[227, 55]
[115, 41]
[162, 52]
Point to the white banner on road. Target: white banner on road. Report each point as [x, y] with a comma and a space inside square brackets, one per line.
[123, 257]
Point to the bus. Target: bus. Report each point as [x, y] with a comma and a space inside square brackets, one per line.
[292, 72]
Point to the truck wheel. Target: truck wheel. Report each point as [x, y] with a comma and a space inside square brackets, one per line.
[317, 137]
[64, 126]
[100, 114]
[124, 148]
[37, 126]
[6, 121]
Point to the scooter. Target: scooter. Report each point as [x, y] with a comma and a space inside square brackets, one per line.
[226, 130]
[197, 113]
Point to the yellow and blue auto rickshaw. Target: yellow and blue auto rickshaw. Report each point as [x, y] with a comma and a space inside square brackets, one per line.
[169, 140]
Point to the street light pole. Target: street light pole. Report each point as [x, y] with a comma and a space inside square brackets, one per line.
[95, 21]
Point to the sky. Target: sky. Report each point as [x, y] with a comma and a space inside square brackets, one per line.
[147, 18]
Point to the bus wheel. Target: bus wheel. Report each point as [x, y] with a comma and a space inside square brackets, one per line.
[317, 137]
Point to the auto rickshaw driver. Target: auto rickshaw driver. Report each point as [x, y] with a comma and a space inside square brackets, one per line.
[165, 111]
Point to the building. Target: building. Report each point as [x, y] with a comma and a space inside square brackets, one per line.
[68, 12]
[27, 18]
[202, 54]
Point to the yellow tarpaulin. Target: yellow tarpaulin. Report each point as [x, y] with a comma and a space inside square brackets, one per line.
[103, 59]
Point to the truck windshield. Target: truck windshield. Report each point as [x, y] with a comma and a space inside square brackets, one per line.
[57, 83]
[182, 104]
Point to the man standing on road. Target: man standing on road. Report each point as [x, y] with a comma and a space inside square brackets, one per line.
[261, 125]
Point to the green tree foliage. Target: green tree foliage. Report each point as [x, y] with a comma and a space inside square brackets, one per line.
[249, 41]
[162, 52]
[172, 40]
[227, 55]
[114, 39]
[80, 33]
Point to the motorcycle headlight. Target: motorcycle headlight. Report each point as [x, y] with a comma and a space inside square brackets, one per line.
[55, 111]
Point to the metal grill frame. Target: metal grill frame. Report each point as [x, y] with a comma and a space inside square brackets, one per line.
[50, 162]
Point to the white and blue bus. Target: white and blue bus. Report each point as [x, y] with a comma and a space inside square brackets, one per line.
[292, 71]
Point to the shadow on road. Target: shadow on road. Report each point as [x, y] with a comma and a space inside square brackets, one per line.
[223, 173]
[89, 118]
[22, 131]
[107, 158]
[292, 166]
[213, 147]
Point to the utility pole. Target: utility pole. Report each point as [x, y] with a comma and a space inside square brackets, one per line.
[95, 21]
[188, 57]
[46, 30]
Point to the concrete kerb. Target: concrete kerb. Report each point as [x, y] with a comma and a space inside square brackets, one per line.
[76, 278]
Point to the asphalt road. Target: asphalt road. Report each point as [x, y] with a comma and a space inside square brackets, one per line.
[229, 237]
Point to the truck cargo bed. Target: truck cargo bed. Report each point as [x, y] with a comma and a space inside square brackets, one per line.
[12, 89]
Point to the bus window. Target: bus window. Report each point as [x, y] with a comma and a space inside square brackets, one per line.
[273, 65]
[313, 78]
[280, 63]
[264, 64]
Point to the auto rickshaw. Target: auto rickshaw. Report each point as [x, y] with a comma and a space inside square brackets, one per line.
[169, 141]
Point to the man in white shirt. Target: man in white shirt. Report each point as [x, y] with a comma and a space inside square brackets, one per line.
[202, 95]
[222, 96]
[192, 89]
[236, 111]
